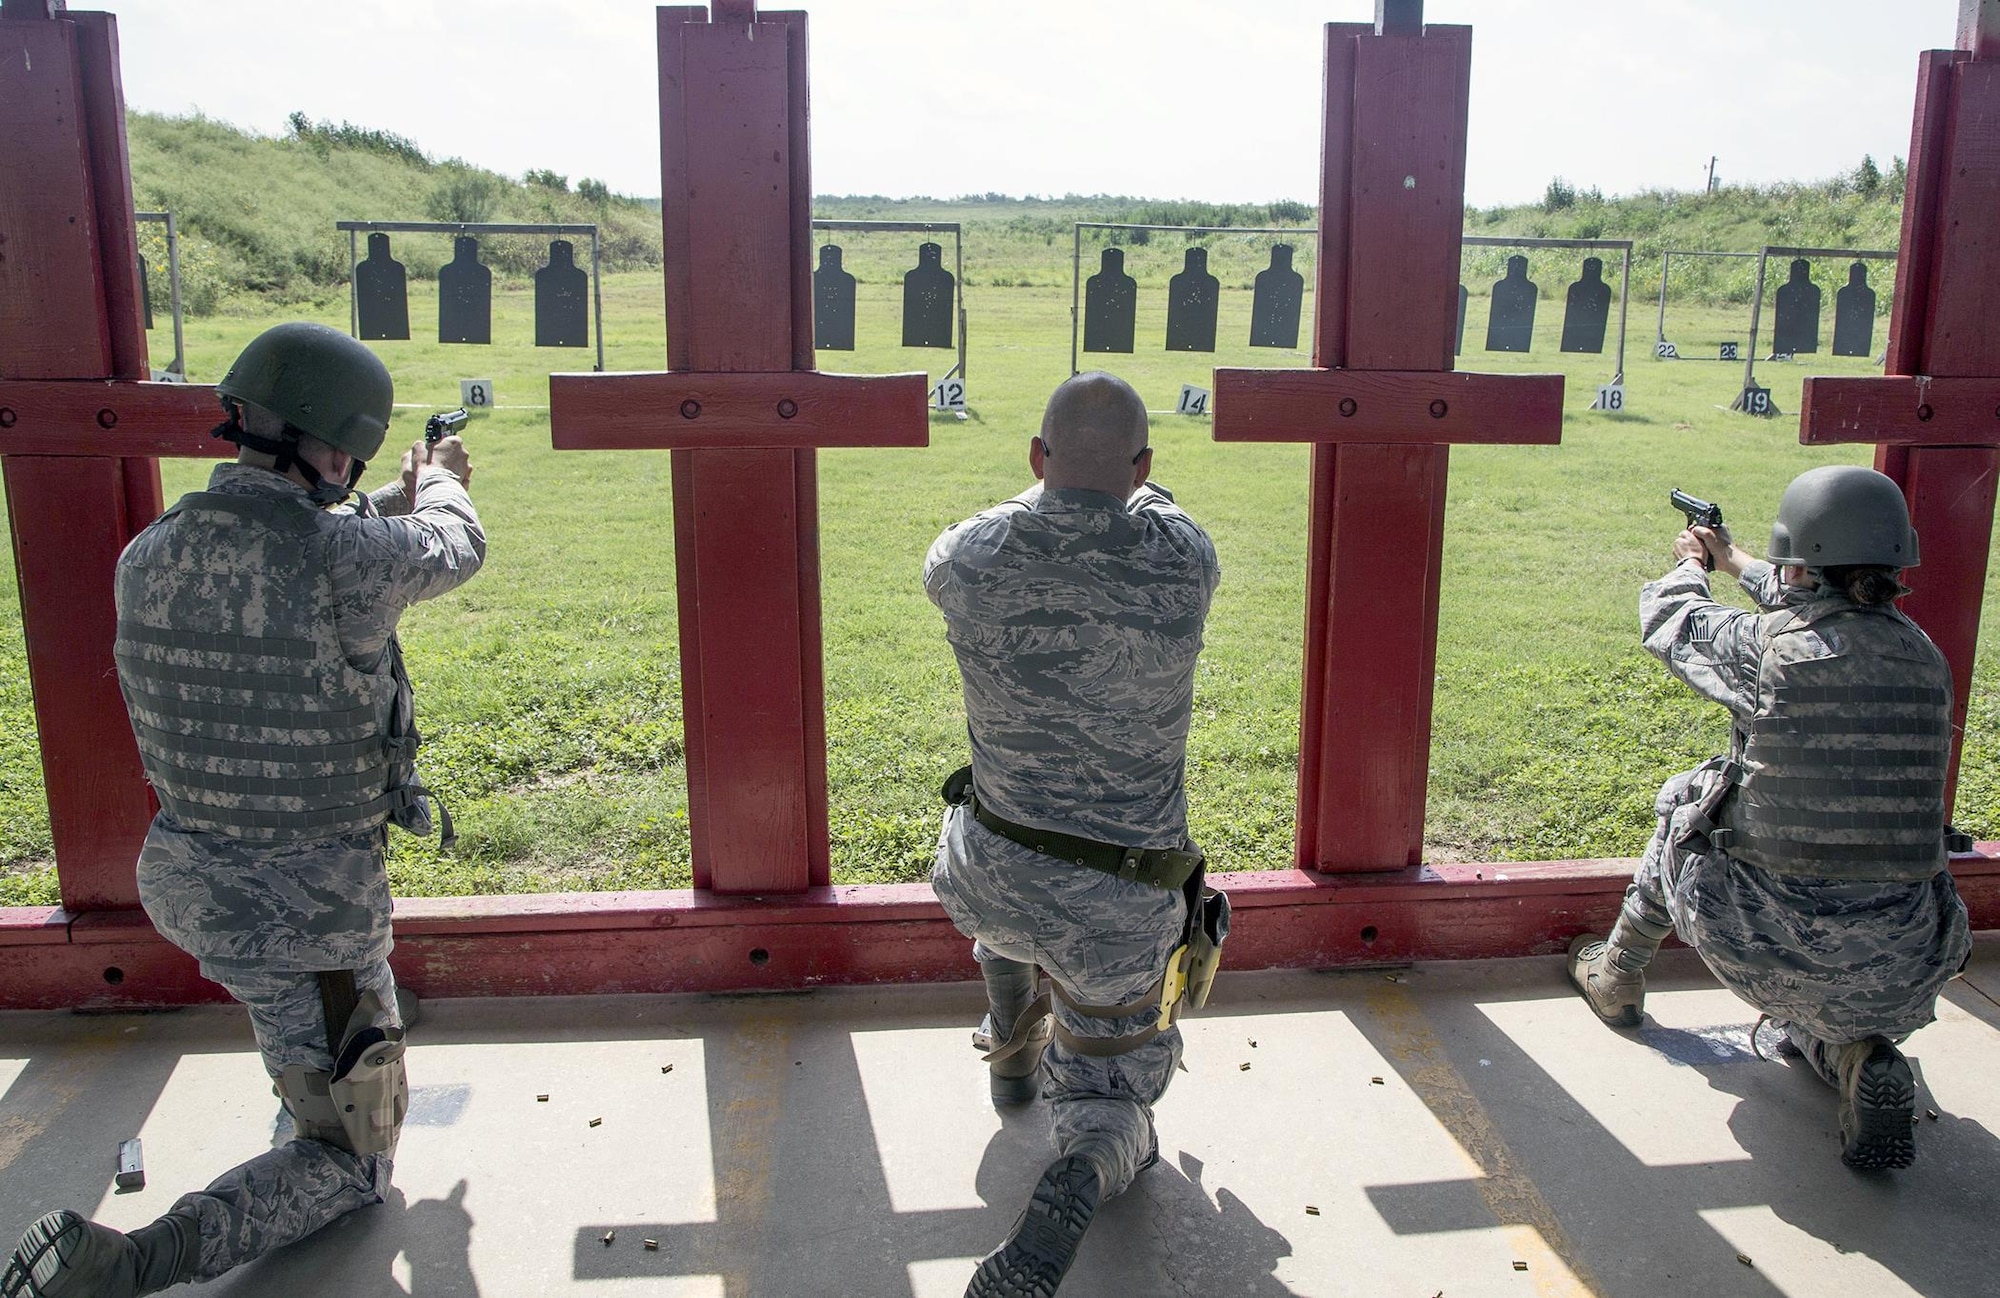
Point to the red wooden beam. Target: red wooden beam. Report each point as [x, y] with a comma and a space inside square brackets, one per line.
[69, 309]
[1387, 406]
[106, 417]
[601, 943]
[1905, 409]
[794, 409]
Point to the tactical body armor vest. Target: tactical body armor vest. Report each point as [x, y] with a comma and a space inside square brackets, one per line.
[250, 719]
[1843, 765]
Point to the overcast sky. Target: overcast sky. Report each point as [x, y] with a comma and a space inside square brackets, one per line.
[1159, 98]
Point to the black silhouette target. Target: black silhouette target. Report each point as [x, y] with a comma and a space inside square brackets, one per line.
[465, 296]
[381, 293]
[1854, 314]
[562, 299]
[1276, 302]
[1192, 298]
[1110, 305]
[833, 302]
[1796, 329]
[927, 300]
[1588, 311]
[1510, 325]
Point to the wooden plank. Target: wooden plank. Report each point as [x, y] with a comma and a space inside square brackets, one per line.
[1386, 406]
[629, 411]
[100, 417]
[1336, 181]
[1373, 677]
[674, 22]
[68, 520]
[1407, 199]
[1979, 28]
[51, 289]
[737, 136]
[111, 191]
[1902, 409]
[1951, 491]
[1962, 319]
[683, 941]
[1916, 262]
[753, 680]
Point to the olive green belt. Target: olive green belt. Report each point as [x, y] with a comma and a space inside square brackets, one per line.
[1159, 867]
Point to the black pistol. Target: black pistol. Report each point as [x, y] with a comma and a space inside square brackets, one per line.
[1700, 513]
[448, 424]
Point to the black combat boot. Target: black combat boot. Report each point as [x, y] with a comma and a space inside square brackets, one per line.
[1035, 1256]
[65, 1256]
[1878, 1100]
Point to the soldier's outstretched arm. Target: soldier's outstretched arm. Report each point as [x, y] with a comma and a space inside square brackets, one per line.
[1713, 647]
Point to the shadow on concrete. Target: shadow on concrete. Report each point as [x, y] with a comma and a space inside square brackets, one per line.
[356, 1256]
[1632, 1230]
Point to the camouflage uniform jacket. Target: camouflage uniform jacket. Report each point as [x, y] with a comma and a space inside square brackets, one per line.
[316, 904]
[1843, 958]
[1076, 619]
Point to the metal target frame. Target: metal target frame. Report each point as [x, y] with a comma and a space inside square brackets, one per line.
[958, 265]
[1076, 264]
[1622, 246]
[178, 365]
[1746, 402]
[1660, 330]
[455, 228]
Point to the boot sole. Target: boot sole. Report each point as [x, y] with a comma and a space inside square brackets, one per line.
[1885, 1099]
[39, 1259]
[1034, 1259]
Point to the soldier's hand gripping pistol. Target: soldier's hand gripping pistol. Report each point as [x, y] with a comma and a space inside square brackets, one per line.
[1701, 513]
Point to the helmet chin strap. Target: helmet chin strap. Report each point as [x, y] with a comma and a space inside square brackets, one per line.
[284, 451]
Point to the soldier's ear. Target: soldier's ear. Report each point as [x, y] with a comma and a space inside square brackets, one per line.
[1038, 452]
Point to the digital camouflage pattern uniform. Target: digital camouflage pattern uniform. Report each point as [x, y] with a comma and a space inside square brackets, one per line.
[264, 918]
[1076, 618]
[1838, 960]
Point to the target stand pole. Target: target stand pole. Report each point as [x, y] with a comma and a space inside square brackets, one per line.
[742, 412]
[1381, 412]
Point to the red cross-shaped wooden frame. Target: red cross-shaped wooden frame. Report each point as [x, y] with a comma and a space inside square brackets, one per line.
[1381, 411]
[742, 411]
[1935, 416]
[78, 429]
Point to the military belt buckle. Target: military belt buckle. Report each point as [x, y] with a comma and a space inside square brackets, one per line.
[1131, 863]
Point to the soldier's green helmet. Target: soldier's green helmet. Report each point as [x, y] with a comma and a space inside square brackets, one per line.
[1843, 515]
[319, 381]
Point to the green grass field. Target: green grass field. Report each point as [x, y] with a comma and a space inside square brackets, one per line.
[548, 688]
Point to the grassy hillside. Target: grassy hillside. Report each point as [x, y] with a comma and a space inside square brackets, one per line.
[256, 213]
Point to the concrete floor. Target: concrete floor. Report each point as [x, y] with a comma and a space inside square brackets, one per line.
[1448, 1123]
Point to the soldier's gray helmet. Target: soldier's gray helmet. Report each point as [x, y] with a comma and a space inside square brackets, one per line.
[318, 380]
[1840, 515]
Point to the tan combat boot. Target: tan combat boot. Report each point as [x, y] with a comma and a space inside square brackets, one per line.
[1617, 994]
[1878, 1099]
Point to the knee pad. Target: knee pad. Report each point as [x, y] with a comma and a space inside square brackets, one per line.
[360, 1105]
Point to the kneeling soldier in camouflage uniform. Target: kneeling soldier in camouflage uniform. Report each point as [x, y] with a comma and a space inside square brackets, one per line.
[257, 653]
[1076, 613]
[1808, 866]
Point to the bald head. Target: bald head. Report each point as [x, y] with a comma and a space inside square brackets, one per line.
[1094, 436]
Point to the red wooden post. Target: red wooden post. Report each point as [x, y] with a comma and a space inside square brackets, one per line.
[1381, 411]
[742, 413]
[1935, 418]
[79, 482]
